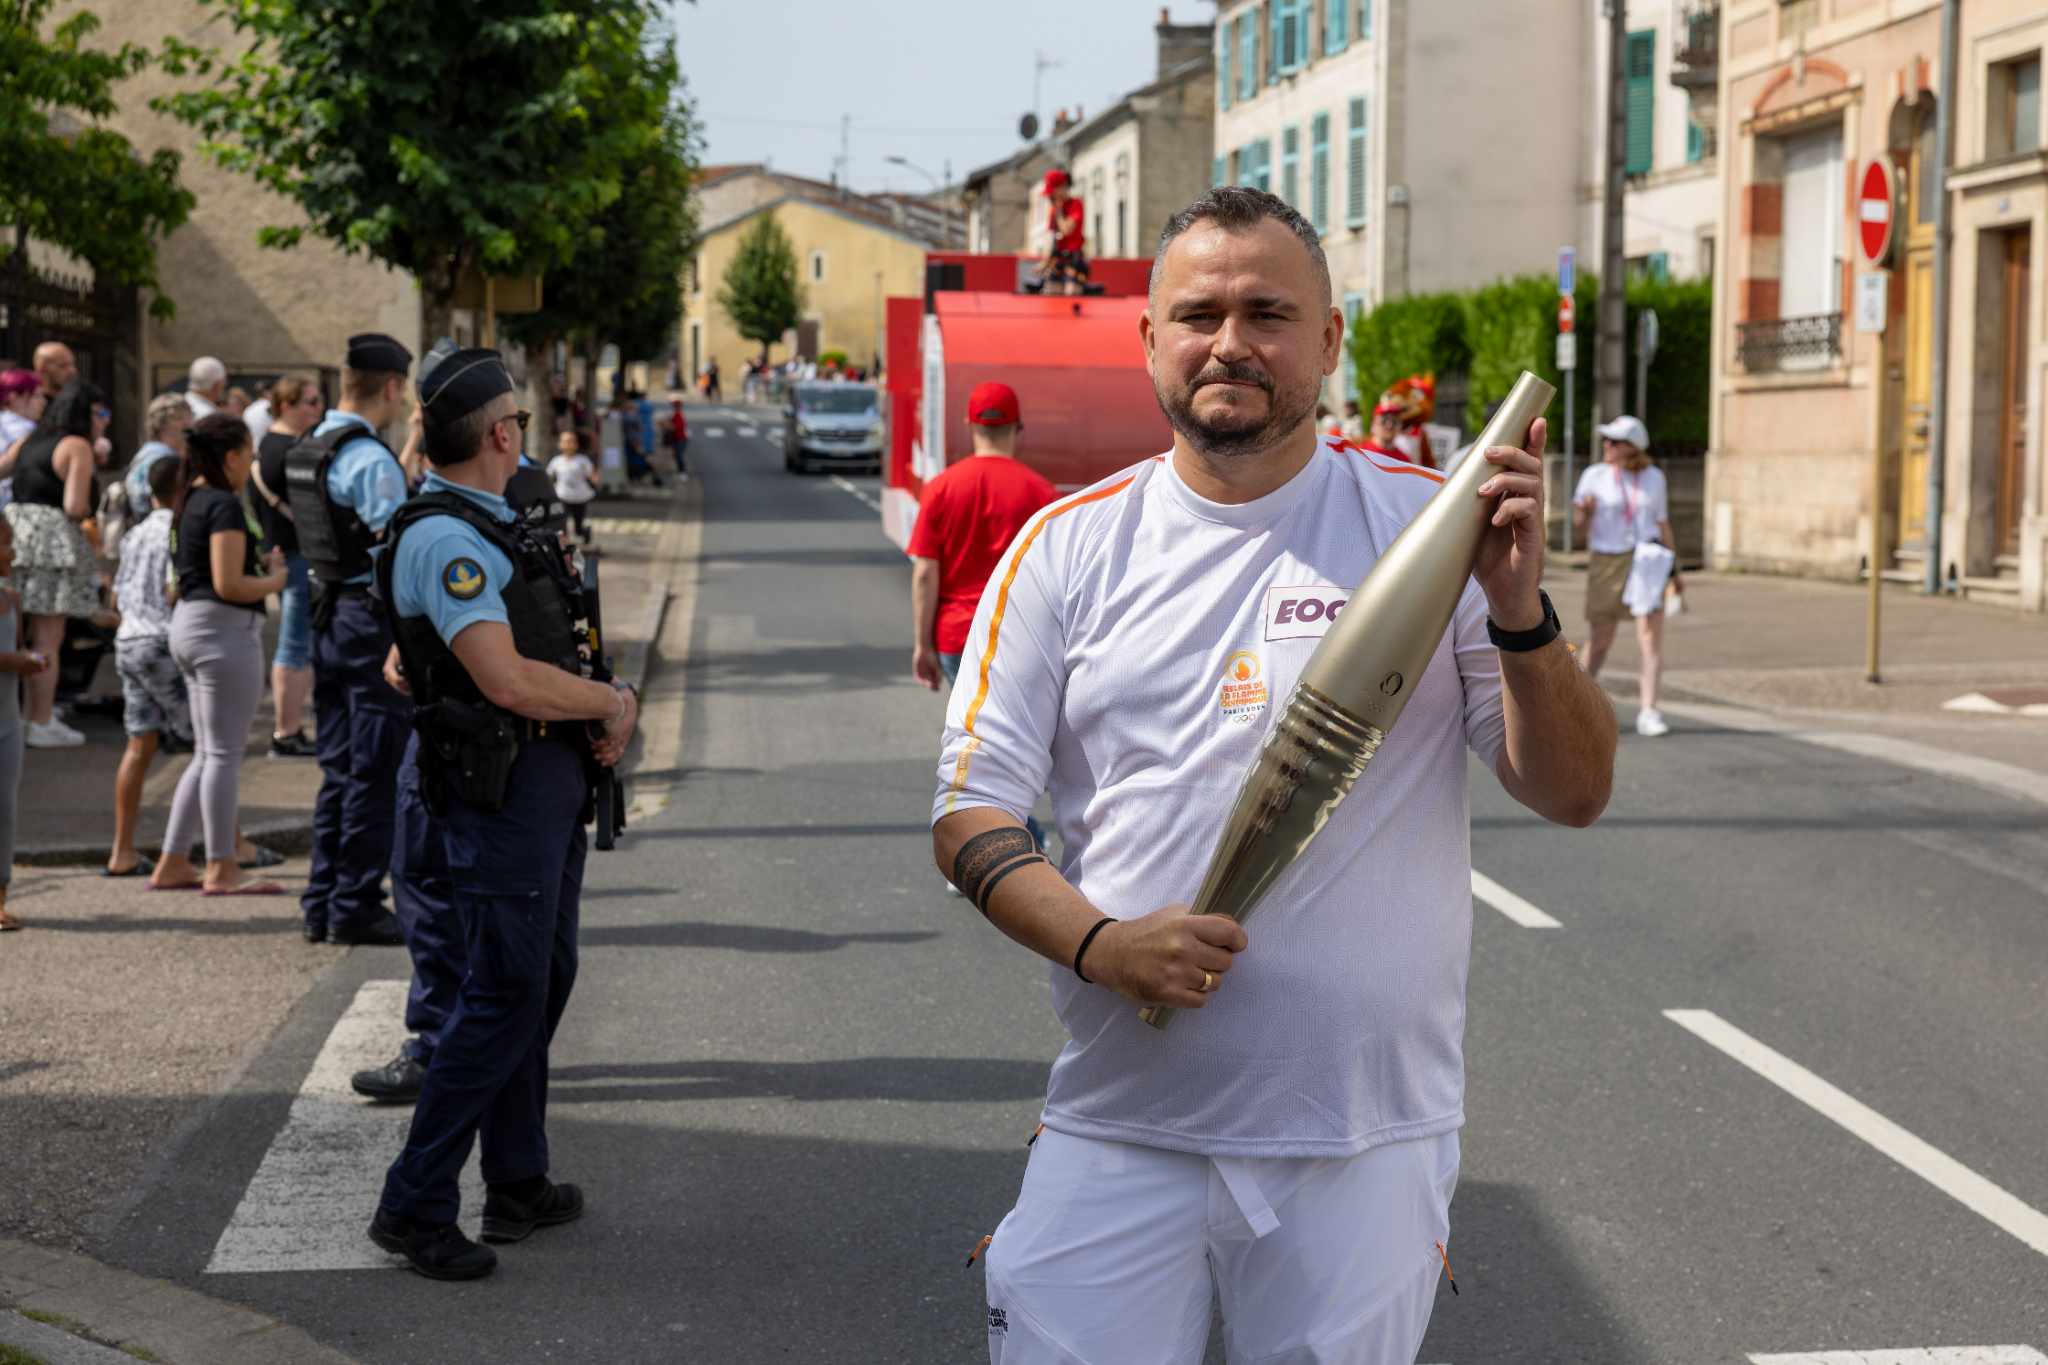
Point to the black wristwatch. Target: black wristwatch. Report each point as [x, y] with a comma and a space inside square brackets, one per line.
[1537, 636]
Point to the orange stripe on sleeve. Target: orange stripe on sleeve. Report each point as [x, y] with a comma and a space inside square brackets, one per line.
[995, 621]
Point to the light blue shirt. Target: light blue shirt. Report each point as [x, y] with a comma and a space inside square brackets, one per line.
[364, 477]
[447, 572]
[136, 481]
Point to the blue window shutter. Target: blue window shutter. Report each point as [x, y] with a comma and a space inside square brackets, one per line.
[1273, 40]
[1319, 173]
[1223, 69]
[1290, 165]
[1659, 266]
[1347, 369]
[1355, 165]
[1218, 170]
[1639, 69]
[1695, 143]
[1247, 55]
[1364, 18]
[1336, 28]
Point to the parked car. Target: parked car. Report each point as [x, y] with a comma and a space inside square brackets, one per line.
[833, 425]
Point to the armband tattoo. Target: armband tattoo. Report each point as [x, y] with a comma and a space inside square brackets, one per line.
[986, 852]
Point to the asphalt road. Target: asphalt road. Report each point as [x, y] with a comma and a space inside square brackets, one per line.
[796, 1077]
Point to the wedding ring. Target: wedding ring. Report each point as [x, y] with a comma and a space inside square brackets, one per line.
[1208, 982]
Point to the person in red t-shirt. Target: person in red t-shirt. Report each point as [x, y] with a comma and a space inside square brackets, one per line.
[1064, 270]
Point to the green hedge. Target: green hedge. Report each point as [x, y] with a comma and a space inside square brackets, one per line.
[1492, 334]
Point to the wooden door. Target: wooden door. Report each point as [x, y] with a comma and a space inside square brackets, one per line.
[2012, 408]
[1918, 411]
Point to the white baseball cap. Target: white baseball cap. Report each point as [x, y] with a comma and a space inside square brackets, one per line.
[1626, 428]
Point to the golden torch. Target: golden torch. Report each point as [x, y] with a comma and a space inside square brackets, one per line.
[1356, 684]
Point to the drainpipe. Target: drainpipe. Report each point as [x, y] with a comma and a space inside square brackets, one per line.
[1937, 437]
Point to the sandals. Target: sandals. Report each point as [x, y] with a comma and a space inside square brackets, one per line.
[264, 857]
[143, 867]
[8, 923]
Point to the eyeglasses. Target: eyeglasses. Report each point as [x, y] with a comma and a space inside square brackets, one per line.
[522, 417]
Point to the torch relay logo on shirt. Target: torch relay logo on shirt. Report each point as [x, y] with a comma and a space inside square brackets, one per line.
[1244, 687]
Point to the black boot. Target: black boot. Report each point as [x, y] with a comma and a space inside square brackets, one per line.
[398, 1081]
[381, 932]
[438, 1251]
[512, 1212]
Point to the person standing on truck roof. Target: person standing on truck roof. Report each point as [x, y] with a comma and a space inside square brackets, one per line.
[1064, 270]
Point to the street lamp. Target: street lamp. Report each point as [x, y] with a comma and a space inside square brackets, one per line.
[945, 208]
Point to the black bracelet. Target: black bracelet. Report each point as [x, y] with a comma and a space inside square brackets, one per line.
[1087, 939]
[987, 891]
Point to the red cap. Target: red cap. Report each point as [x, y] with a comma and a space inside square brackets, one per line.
[993, 405]
[1056, 179]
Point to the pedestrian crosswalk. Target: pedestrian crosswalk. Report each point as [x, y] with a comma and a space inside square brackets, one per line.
[311, 1199]
[626, 526]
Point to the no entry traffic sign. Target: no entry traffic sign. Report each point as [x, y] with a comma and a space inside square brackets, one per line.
[1874, 212]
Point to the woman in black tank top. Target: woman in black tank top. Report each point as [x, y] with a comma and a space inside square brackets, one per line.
[54, 570]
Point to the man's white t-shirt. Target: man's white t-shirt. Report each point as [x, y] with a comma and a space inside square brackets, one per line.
[1131, 653]
[1627, 505]
[575, 477]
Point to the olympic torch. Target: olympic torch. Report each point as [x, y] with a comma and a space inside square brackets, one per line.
[1358, 681]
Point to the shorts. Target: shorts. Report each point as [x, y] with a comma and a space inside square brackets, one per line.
[1113, 1250]
[1606, 575]
[295, 616]
[1068, 267]
[152, 690]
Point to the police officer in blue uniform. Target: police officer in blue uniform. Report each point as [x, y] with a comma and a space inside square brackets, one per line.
[344, 485]
[484, 611]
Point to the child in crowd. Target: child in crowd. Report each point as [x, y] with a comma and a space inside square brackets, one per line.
[14, 663]
[156, 709]
[575, 481]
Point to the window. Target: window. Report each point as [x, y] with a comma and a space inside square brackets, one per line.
[817, 265]
[1927, 165]
[1336, 26]
[1695, 143]
[1247, 55]
[1255, 165]
[2014, 107]
[1319, 173]
[1815, 229]
[1097, 244]
[1639, 62]
[1223, 41]
[1290, 165]
[1219, 172]
[1364, 19]
[1354, 166]
[1288, 41]
[1347, 369]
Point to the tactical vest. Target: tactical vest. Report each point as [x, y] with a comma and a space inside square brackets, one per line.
[335, 542]
[542, 602]
[532, 495]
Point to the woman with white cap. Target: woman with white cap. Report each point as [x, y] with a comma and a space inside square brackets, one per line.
[1622, 503]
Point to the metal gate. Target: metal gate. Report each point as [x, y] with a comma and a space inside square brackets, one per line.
[98, 322]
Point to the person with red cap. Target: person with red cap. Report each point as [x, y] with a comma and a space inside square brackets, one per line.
[1064, 268]
[965, 521]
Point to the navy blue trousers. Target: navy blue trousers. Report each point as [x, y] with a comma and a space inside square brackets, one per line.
[424, 901]
[517, 878]
[363, 724]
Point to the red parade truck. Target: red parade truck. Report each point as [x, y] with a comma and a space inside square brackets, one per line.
[1075, 361]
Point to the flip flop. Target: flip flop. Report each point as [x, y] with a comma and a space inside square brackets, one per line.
[265, 857]
[250, 889]
[143, 867]
[181, 886]
[8, 923]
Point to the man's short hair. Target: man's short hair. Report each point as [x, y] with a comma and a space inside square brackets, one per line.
[461, 439]
[366, 386]
[163, 412]
[163, 479]
[205, 372]
[1238, 209]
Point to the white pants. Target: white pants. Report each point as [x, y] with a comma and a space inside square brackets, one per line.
[1111, 1254]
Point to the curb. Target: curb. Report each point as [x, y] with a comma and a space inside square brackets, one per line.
[126, 1313]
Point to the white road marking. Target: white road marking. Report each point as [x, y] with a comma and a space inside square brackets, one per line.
[625, 526]
[1924, 1355]
[1936, 1167]
[1508, 903]
[841, 482]
[316, 1190]
[714, 431]
[747, 432]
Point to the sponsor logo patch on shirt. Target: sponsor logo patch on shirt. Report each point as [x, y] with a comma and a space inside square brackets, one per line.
[1244, 687]
[1303, 612]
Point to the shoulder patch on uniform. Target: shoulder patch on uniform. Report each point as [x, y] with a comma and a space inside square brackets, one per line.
[463, 578]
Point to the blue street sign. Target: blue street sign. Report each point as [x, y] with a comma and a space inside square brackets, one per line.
[1567, 269]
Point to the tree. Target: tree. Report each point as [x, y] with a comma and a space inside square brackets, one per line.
[760, 292]
[63, 178]
[433, 137]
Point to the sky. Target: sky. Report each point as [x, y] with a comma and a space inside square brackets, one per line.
[932, 81]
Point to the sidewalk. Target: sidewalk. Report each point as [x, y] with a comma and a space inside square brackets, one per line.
[1793, 649]
[67, 794]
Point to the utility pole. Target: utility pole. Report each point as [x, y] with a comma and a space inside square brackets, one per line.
[1039, 66]
[1610, 369]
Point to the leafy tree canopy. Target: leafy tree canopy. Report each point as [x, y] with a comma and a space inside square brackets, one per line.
[760, 292]
[430, 136]
[73, 183]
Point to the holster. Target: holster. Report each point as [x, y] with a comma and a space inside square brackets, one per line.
[467, 751]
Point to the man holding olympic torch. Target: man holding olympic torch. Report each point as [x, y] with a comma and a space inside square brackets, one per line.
[1291, 1144]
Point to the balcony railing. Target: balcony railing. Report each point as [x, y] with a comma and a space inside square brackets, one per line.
[1808, 343]
[1696, 54]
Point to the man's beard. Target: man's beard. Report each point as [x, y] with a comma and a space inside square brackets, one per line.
[1233, 435]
